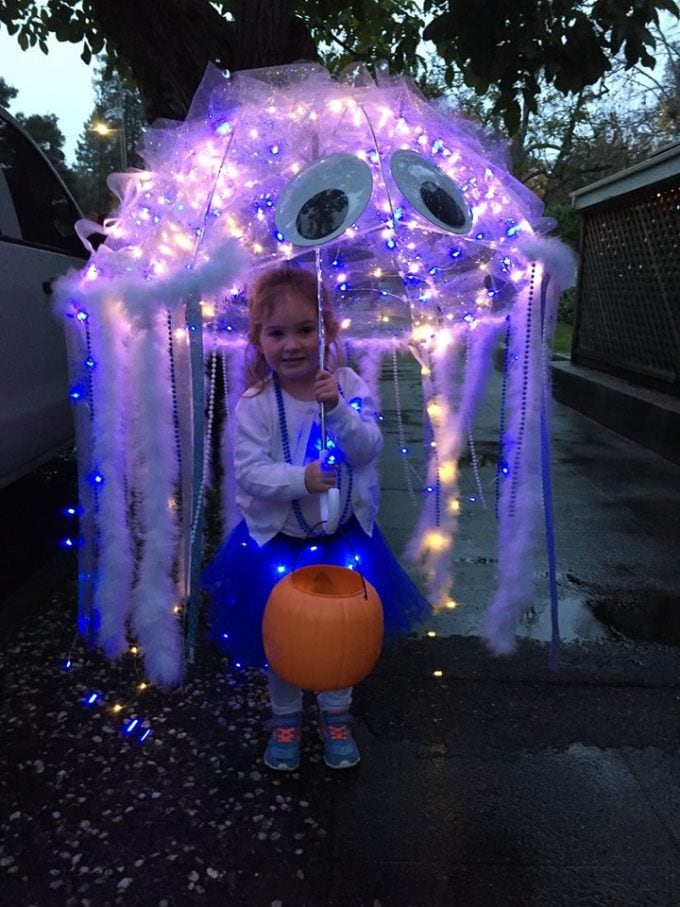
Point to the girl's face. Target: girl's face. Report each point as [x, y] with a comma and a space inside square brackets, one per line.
[289, 340]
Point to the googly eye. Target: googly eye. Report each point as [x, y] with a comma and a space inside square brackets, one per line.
[431, 191]
[324, 199]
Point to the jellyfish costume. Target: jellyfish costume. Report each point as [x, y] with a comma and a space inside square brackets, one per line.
[428, 246]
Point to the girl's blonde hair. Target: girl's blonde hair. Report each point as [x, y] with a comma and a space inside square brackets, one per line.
[263, 295]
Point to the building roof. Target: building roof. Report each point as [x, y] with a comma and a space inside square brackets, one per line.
[658, 168]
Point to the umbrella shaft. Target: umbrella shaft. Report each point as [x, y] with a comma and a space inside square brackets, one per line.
[322, 344]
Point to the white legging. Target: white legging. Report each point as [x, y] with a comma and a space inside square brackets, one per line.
[286, 699]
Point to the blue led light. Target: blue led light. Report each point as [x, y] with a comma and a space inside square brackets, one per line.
[144, 736]
[511, 231]
[129, 728]
[82, 315]
[280, 569]
[403, 450]
[77, 392]
[313, 547]
[278, 235]
[390, 244]
[91, 699]
[274, 149]
[89, 362]
[66, 665]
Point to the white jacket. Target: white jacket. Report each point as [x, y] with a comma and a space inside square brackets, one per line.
[267, 485]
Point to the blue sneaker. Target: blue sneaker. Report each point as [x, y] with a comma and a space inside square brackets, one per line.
[283, 750]
[339, 747]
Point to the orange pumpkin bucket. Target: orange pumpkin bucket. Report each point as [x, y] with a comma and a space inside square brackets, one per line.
[323, 627]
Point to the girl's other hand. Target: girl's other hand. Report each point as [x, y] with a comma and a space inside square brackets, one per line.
[326, 388]
[319, 478]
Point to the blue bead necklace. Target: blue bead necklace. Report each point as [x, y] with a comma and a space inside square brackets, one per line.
[308, 530]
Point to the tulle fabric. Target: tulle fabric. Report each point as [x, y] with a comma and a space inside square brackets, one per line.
[242, 574]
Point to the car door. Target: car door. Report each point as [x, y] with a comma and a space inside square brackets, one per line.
[37, 243]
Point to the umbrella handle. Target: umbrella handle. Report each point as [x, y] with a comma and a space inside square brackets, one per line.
[330, 510]
[329, 503]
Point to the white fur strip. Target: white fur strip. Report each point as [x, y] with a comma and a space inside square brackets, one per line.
[154, 621]
[520, 490]
[113, 596]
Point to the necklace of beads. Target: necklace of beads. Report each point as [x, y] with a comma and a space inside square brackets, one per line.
[308, 530]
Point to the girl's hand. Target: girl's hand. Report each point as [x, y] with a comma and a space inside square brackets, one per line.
[326, 388]
[318, 478]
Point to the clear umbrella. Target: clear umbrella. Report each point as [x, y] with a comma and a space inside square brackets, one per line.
[428, 245]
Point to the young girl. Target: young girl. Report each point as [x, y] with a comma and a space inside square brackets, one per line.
[280, 479]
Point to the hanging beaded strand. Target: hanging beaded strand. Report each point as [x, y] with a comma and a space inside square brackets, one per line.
[514, 478]
[400, 430]
[474, 459]
[173, 382]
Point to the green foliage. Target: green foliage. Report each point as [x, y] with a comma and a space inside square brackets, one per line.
[519, 46]
[7, 93]
[563, 333]
[119, 109]
[370, 31]
[33, 21]
[515, 47]
[45, 132]
[568, 224]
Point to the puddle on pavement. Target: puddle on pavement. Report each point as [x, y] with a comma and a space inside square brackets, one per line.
[647, 615]
[587, 611]
[577, 623]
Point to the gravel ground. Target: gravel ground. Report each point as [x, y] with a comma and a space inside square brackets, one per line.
[97, 813]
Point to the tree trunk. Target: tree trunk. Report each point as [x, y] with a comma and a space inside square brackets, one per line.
[168, 45]
[268, 34]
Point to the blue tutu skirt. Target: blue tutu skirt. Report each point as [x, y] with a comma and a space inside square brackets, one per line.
[241, 575]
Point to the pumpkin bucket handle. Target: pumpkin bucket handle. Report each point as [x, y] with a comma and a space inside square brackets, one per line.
[355, 557]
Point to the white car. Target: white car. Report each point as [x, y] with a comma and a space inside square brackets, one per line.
[37, 243]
